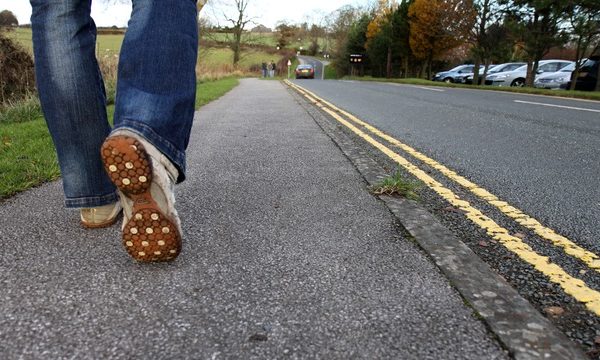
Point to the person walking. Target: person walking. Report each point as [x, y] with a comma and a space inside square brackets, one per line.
[270, 69]
[264, 69]
[134, 165]
[273, 68]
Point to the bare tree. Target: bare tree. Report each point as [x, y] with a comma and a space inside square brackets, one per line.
[239, 24]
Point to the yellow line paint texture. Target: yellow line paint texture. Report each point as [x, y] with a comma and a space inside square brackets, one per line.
[571, 285]
[589, 258]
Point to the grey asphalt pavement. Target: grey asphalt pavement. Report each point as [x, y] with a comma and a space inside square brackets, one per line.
[538, 153]
[286, 255]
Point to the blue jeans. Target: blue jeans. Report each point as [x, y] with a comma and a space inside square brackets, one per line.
[156, 87]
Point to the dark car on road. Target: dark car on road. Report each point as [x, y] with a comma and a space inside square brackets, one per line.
[588, 75]
[305, 71]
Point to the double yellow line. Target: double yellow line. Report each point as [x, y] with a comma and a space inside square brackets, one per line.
[571, 285]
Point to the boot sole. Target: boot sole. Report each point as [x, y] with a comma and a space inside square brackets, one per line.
[150, 235]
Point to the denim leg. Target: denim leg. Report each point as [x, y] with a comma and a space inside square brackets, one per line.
[156, 88]
[73, 97]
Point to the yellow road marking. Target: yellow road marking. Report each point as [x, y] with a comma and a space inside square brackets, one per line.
[570, 285]
[587, 257]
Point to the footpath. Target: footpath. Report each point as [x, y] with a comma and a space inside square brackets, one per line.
[286, 255]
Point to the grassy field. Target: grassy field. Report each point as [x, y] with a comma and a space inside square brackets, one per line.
[264, 39]
[210, 60]
[105, 44]
[214, 57]
[27, 156]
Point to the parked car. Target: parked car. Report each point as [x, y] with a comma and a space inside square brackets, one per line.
[453, 75]
[554, 80]
[517, 77]
[305, 71]
[588, 75]
[463, 78]
[493, 69]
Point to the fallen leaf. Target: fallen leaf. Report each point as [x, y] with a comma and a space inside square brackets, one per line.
[597, 340]
[452, 209]
[484, 243]
[554, 310]
[258, 337]
[520, 235]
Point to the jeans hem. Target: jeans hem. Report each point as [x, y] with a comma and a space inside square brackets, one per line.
[92, 201]
[176, 156]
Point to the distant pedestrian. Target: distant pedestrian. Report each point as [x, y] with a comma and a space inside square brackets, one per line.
[273, 69]
[264, 69]
[270, 69]
[133, 165]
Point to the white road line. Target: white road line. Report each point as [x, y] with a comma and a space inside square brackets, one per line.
[428, 88]
[558, 106]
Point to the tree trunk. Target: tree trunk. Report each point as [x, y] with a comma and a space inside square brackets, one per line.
[236, 46]
[476, 71]
[388, 69]
[531, 70]
[429, 61]
[575, 72]
[598, 79]
[485, 72]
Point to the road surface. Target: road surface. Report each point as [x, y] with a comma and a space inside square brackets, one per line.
[541, 154]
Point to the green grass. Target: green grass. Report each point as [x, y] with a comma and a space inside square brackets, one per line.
[22, 37]
[109, 43]
[26, 110]
[330, 72]
[589, 95]
[106, 44]
[219, 59]
[396, 185]
[264, 39]
[214, 57]
[27, 155]
[209, 91]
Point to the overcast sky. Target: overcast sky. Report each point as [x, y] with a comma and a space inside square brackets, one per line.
[266, 12]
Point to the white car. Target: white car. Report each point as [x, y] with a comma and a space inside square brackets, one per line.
[517, 77]
[494, 69]
[556, 79]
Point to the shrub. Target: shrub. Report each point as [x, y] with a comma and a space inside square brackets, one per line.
[17, 80]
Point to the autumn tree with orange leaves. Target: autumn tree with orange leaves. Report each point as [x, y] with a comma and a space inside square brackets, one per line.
[381, 30]
[437, 26]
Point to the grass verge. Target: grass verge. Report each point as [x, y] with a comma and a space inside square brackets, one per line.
[330, 72]
[396, 185]
[27, 155]
[587, 95]
[211, 90]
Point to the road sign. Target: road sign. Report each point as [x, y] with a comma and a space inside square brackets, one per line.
[357, 58]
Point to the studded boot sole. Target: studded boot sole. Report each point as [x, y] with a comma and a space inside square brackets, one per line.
[150, 235]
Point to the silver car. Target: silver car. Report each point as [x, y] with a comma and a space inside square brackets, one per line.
[556, 79]
[453, 75]
[493, 69]
[517, 77]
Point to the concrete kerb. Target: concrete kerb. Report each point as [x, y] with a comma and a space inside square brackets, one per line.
[524, 332]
